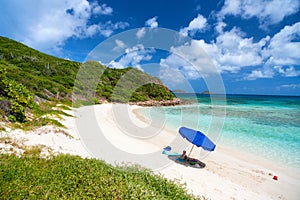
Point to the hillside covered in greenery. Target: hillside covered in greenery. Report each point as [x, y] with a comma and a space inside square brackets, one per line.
[31, 84]
[29, 76]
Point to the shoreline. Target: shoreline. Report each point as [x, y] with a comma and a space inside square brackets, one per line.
[144, 119]
[246, 167]
[228, 174]
[231, 143]
[150, 103]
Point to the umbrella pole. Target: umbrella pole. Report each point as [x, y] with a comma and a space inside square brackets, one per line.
[191, 150]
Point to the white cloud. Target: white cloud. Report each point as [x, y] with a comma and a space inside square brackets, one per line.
[177, 65]
[133, 57]
[120, 45]
[140, 33]
[260, 73]
[280, 55]
[152, 23]
[119, 25]
[235, 51]
[190, 60]
[106, 29]
[220, 26]
[256, 74]
[197, 24]
[271, 71]
[293, 86]
[232, 51]
[171, 77]
[287, 72]
[267, 11]
[102, 9]
[230, 7]
[46, 25]
[92, 30]
[283, 50]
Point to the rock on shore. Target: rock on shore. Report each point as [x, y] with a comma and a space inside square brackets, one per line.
[172, 102]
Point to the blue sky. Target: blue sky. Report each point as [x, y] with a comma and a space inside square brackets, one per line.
[253, 44]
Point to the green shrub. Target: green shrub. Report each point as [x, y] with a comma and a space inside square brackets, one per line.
[12, 118]
[19, 96]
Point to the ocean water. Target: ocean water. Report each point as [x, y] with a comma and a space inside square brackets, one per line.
[268, 126]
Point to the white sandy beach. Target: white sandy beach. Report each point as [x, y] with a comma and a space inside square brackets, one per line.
[228, 174]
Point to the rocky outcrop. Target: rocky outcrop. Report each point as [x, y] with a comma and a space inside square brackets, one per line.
[172, 102]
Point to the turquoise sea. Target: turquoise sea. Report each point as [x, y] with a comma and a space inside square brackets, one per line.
[268, 126]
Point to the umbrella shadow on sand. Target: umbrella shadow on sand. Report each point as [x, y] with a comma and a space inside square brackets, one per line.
[195, 163]
[197, 138]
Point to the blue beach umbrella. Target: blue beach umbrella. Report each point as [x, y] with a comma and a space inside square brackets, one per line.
[197, 138]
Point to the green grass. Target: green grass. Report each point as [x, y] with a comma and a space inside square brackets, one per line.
[72, 177]
[63, 107]
[42, 116]
[2, 128]
[36, 123]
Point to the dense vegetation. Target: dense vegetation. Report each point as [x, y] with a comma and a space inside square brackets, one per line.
[31, 83]
[71, 177]
[14, 97]
[27, 75]
[40, 73]
[121, 85]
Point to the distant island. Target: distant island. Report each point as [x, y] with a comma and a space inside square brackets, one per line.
[178, 91]
[207, 92]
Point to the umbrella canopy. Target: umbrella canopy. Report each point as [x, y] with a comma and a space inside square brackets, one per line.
[197, 138]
